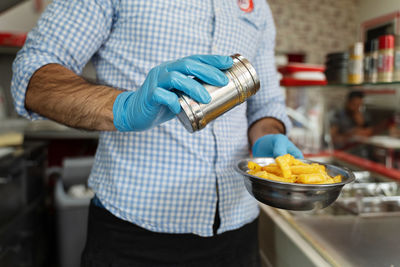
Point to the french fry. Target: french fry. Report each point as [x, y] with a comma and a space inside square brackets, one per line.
[252, 172]
[296, 162]
[277, 178]
[261, 174]
[337, 179]
[253, 166]
[312, 178]
[284, 163]
[322, 167]
[272, 169]
[329, 181]
[304, 169]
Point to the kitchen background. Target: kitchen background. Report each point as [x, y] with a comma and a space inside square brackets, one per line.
[43, 207]
[314, 27]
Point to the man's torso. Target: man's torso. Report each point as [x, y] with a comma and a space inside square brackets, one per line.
[165, 179]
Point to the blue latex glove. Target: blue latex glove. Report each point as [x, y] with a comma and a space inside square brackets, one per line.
[275, 145]
[154, 103]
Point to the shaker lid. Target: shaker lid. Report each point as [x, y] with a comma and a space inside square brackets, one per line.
[337, 55]
[357, 49]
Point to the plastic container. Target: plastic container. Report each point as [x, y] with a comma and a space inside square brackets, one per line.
[355, 67]
[72, 212]
[336, 75]
[289, 81]
[300, 67]
[243, 83]
[337, 56]
[385, 58]
[337, 67]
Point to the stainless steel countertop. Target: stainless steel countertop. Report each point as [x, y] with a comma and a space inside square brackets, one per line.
[342, 238]
[354, 241]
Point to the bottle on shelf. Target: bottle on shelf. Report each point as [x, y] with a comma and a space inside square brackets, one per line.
[355, 65]
[371, 61]
[385, 58]
[396, 71]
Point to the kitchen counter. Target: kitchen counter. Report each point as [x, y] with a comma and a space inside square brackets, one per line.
[337, 235]
[343, 240]
[355, 241]
[44, 129]
[62, 141]
[64, 134]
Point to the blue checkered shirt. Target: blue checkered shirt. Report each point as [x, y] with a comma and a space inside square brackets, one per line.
[164, 179]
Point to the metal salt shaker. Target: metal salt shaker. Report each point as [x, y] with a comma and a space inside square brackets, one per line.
[243, 83]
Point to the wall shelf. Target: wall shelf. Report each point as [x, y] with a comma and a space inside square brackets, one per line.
[9, 50]
[6, 4]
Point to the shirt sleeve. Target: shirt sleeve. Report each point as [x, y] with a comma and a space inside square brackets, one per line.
[68, 33]
[269, 100]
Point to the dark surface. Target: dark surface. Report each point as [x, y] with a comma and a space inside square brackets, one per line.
[23, 216]
[115, 242]
[5, 4]
[12, 174]
[63, 147]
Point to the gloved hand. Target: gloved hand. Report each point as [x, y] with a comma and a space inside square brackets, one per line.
[154, 103]
[275, 145]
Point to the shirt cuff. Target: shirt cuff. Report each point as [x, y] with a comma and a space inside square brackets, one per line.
[23, 69]
[276, 111]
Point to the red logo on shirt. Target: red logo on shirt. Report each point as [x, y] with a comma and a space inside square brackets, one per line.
[246, 5]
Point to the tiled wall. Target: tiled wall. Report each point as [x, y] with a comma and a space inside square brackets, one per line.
[315, 27]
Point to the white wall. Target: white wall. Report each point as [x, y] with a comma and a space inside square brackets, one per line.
[20, 18]
[369, 9]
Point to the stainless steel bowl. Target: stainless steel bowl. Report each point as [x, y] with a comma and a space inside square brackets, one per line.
[292, 196]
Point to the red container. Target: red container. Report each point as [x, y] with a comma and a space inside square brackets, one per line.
[386, 42]
[386, 58]
[12, 39]
[296, 67]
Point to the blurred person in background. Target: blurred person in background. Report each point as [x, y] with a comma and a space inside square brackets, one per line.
[351, 124]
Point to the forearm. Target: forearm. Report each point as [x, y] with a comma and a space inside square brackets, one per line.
[264, 126]
[61, 95]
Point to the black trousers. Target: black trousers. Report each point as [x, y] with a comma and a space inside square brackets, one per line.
[113, 242]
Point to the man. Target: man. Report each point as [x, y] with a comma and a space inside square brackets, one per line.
[164, 197]
[350, 124]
